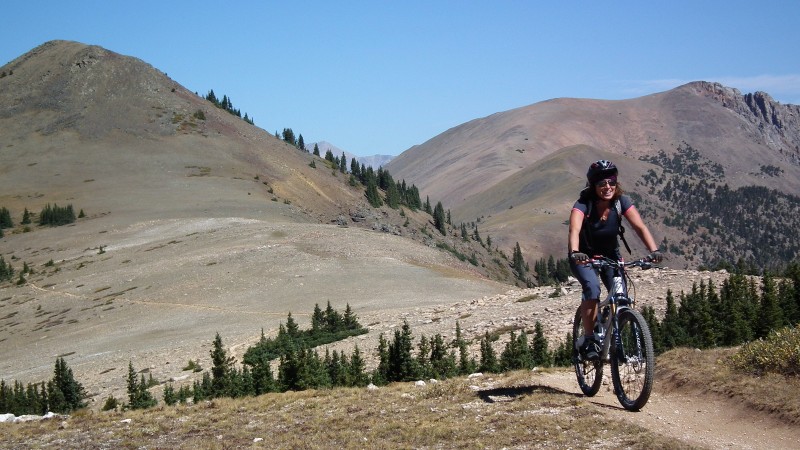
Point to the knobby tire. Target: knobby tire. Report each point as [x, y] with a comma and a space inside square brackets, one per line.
[632, 360]
[589, 373]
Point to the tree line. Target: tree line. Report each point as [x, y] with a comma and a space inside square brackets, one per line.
[737, 312]
[721, 224]
[742, 310]
[225, 103]
[62, 394]
[50, 215]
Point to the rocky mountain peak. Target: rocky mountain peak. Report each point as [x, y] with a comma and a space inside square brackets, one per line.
[777, 123]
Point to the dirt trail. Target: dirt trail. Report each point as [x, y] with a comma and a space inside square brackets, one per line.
[707, 421]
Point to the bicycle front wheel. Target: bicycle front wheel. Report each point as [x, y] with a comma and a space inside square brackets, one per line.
[589, 373]
[632, 360]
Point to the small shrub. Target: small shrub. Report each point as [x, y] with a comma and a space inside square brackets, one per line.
[528, 298]
[779, 353]
[110, 404]
[194, 366]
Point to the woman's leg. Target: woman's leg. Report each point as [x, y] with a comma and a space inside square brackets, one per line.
[590, 283]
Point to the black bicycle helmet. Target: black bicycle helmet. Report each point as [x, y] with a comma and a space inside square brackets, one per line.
[600, 170]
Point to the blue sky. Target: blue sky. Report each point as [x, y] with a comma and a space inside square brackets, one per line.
[377, 77]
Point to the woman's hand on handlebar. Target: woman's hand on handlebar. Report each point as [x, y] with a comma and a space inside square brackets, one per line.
[655, 257]
[579, 257]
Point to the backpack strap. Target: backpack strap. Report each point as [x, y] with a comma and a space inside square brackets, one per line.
[618, 206]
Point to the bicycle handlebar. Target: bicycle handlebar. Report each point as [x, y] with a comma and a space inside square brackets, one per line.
[602, 261]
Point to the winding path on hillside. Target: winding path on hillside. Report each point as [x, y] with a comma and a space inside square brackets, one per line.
[708, 421]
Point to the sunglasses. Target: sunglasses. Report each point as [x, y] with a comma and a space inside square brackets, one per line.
[603, 183]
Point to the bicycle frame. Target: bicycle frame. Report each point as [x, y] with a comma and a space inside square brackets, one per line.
[608, 311]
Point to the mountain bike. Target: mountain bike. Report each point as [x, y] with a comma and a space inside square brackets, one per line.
[624, 340]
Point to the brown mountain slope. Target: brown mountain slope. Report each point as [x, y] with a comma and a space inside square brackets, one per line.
[739, 132]
[487, 165]
[196, 223]
[109, 132]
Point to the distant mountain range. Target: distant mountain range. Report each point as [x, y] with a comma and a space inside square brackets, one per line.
[83, 124]
[374, 161]
[518, 172]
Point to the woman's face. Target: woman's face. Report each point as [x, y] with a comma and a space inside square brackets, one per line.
[605, 189]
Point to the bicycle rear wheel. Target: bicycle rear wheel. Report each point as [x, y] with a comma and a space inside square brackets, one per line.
[589, 373]
[632, 360]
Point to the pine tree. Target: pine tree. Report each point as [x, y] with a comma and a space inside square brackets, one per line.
[439, 219]
[381, 374]
[355, 370]
[770, 316]
[423, 357]
[442, 364]
[221, 369]
[373, 197]
[539, 353]
[5, 218]
[466, 365]
[138, 395]
[562, 357]
[517, 353]
[392, 196]
[518, 262]
[402, 366]
[674, 334]
[65, 392]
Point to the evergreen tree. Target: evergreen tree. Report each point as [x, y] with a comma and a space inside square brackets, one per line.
[443, 365]
[518, 262]
[350, 319]
[770, 315]
[673, 332]
[301, 143]
[516, 354]
[381, 375]
[66, 393]
[356, 369]
[540, 355]
[5, 218]
[221, 369]
[373, 197]
[170, 396]
[316, 149]
[288, 137]
[466, 365]
[392, 196]
[649, 314]
[402, 366]
[138, 395]
[439, 219]
[317, 320]
[423, 357]
[562, 357]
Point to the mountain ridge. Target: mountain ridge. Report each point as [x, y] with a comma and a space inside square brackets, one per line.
[748, 136]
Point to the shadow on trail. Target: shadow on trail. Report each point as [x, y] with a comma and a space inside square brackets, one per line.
[507, 394]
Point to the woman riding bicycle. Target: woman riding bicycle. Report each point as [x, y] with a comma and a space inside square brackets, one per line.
[593, 227]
